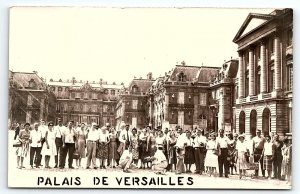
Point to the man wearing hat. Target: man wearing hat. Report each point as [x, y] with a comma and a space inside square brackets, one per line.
[222, 143]
[199, 145]
[258, 142]
[59, 129]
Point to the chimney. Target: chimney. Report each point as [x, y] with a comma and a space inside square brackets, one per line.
[149, 76]
[73, 80]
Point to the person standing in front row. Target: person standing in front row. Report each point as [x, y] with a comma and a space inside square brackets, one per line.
[49, 148]
[222, 143]
[258, 142]
[35, 145]
[81, 143]
[59, 129]
[22, 151]
[43, 128]
[68, 148]
[199, 151]
[268, 153]
[92, 138]
[102, 152]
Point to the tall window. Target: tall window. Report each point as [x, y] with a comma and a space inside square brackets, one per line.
[180, 99]
[29, 100]
[290, 77]
[134, 104]
[272, 81]
[202, 99]
[77, 95]
[247, 84]
[104, 108]
[65, 107]
[258, 81]
[134, 89]
[85, 95]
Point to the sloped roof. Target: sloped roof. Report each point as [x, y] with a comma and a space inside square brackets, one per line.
[22, 79]
[189, 71]
[142, 84]
[207, 73]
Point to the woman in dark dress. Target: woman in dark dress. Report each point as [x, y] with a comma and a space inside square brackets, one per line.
[189, 153]
[113, 155]
[151, 145]
[143, 147]
[172, 151]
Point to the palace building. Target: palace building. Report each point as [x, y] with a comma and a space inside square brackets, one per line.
[29, 98]
[265, 75]
[85, 101]
[131, 107]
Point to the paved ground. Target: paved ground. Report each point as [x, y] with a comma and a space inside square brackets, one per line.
[28, 177]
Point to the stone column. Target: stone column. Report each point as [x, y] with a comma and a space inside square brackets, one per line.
[241, 76]
[277, 66]
[263, 68]
[251, 72]
[42, 106]
[196, 102]
[166, 107]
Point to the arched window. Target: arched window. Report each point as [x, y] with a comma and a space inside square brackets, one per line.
[135, 89]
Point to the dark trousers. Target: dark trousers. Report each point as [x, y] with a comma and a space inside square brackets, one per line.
[35, 152]
[258, 157]
[58, 144]
[199, 159]
[277, 167]
[222, 159]
[68, 149]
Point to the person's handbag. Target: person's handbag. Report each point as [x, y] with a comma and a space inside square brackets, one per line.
[17, 143]
[76, 155]
[216, 152]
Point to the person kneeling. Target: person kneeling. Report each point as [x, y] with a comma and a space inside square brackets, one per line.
[159, 163]
[126, 160]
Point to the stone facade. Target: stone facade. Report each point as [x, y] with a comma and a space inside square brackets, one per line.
[264, 82]
[29, 98]
[85, 102]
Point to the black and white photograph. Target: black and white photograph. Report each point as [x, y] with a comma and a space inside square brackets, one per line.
[150, 98]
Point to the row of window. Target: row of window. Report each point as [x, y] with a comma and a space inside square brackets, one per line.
[181, 98]
[83, 107]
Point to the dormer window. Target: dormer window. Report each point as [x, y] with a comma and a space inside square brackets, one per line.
[134, 89]
[180, 76]
[32, 83]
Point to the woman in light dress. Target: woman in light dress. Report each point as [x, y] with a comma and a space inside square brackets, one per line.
[81, 144]
[211, 159]
[49, 147]
[134, 141]
[242, 155]
[22, 151]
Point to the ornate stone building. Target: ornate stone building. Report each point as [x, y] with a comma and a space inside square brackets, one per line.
[181, 98]
[85, 102]
[131, 107]
[265, 77]
[222, 97]
[29, 98]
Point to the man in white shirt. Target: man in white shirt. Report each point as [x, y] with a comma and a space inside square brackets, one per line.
[92, 138]
[126, 159]
[199, 145]
[222, 143]
[258, 142]
[159, 163]
[43, 129]
[59, 130]
[180, 146]
[124, 137]
[68, 147]
[35, 145]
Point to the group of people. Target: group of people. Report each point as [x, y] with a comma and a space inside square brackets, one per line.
[159, 149]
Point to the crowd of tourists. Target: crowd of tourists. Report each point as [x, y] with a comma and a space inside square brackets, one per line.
[162, 150]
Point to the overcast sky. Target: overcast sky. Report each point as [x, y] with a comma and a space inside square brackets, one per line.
[117, 44]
